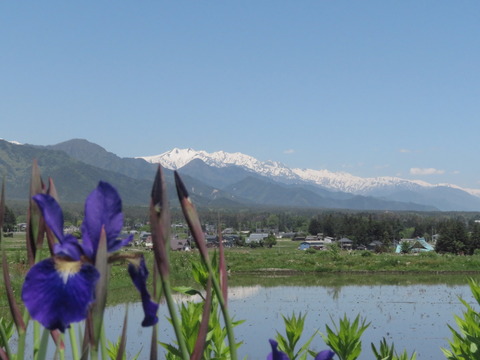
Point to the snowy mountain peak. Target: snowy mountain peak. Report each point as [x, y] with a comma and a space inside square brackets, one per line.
[12, 142]
[177, 158]
[337, 181]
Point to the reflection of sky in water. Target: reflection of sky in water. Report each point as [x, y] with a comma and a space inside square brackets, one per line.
[413, 317]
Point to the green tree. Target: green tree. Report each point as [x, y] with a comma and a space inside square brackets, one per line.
[405, 247]
[314, 227]
[273, 221]
[453, 237]
[9, 220]
[329, 226]
[475, 238]
[270, 240]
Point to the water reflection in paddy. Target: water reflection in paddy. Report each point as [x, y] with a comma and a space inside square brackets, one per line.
[412, 312]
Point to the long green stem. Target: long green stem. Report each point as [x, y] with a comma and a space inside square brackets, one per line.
[226, 316]
[41, 354]
[36, 338]
[103, 344]
[21, 346]
[175, 322]
[73, 343]
[22, 335]
[93, 353]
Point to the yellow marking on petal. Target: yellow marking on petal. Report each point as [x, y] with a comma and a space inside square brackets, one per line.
[135, 262]
[67, 268]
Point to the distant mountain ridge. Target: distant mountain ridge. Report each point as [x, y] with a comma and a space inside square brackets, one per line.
[220, 179]
[340, 181]
[178, 158]
[442, 196]
[96, 155]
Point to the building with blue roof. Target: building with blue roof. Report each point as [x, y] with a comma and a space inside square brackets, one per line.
[416, 245]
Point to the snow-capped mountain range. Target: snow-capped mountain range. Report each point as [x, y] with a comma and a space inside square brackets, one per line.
[335, 181]
[226, 180]
[177, 158]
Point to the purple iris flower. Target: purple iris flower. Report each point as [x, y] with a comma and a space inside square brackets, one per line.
[59, 290]
[325, 355]
[280, 355]
[103, 208]
[138, 272]
[276, 354]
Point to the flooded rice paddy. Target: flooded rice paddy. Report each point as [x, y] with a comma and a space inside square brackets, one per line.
[411, 312]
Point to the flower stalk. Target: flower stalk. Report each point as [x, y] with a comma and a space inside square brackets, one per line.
[193, 221]
[160, 228]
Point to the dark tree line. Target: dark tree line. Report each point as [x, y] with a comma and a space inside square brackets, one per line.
[363, 228]
[458, 237]
[9, 220]
[458, 234]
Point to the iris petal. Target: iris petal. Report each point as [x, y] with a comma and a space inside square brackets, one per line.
[103, 208]
[276, 354]
[325, 355]
[69, 247]
[114, 245]
[52, 213]
[57, 292]
[139, 273]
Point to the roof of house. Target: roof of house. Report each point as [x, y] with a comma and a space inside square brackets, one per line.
[256, 237]
[419, 244]
[178, 244]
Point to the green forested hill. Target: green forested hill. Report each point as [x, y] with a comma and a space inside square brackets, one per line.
[73, 179]
[97, 156]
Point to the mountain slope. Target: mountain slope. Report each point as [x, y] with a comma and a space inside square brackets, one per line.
[215, 176]
[265, 192]
[204, 194]
[227, 180]
[443, 197]
[73, 179]
[95, 155]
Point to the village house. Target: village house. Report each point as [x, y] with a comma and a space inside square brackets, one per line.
[314, 244]
[416, 245]
[177, 244]
[256, 237]
[345, 243]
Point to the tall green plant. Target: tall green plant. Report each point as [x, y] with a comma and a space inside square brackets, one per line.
[344, 339]
[294, 326]
[334, 251]
[465, 342]
[192, 318]
[385, 352]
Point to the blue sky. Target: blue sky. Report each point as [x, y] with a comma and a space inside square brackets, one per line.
[373, 88]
